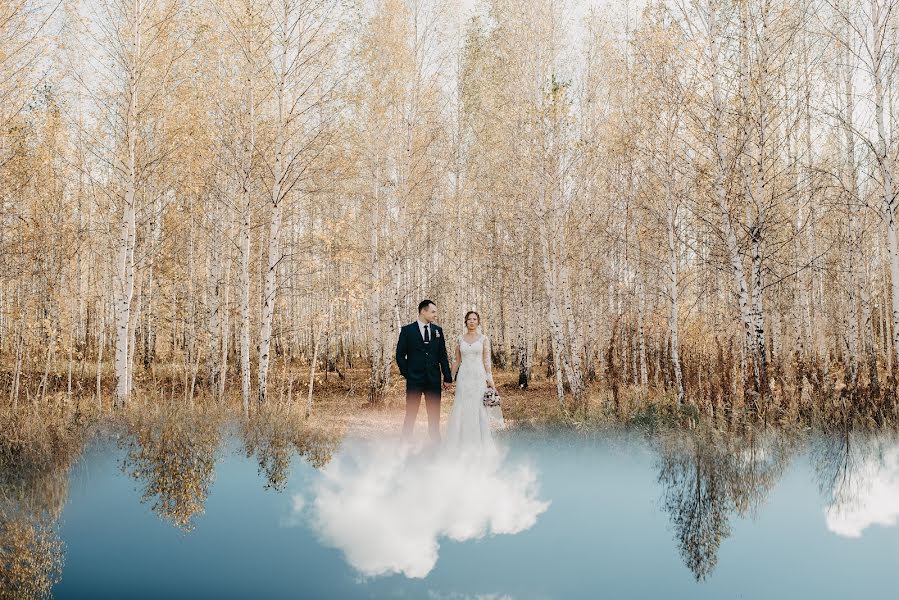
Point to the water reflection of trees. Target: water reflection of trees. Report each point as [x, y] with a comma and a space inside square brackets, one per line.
[835, 459]
[35, 459]
[173, 456]
[707, 476]
[857, 473]
[273, 437]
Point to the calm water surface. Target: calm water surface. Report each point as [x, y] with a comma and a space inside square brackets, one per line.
[612, 515]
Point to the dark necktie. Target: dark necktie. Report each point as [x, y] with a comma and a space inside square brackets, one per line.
[427, 334]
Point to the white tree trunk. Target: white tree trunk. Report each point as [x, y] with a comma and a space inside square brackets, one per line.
[868, 336]
[226, 328]
[850, 182]
[248, 149]
[376, 336]
[756, 184]
[641, 334]
[575, 328]
[885, 165]
[557, 331]
[214, 299]
[133, 325]
[269, 292]
[736, 261]
[673, 271]
[124, 286]
[270, 281]
[245, 301]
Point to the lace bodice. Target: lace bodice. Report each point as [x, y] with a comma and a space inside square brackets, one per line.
[475, 354]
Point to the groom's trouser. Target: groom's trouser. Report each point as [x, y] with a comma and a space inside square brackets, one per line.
[432, 406]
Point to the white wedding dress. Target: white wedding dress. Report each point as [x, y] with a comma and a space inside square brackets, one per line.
[469, 424]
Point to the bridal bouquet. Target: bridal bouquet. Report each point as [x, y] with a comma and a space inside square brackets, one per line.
[491, 397]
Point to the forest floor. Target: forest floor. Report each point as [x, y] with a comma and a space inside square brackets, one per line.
[340, 405]
[343, 402]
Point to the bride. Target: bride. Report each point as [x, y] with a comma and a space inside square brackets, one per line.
[470, 421]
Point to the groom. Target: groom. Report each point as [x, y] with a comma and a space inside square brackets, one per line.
[421, 356]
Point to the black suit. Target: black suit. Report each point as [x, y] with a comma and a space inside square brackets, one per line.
[421, 364]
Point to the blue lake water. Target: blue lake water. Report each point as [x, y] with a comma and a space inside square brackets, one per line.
[610, 515]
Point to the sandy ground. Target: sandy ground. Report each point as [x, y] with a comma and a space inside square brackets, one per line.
[387, 423]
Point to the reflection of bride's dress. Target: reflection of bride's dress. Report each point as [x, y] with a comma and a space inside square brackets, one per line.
[469, 421]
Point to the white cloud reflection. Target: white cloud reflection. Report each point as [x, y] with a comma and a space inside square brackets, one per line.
[386, 505]
[872, 497]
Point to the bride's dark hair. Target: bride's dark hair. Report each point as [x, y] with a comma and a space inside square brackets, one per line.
[469, 313]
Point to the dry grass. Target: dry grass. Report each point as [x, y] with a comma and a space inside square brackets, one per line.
[715, 397]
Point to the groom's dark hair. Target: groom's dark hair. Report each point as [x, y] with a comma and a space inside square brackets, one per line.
[424, 304]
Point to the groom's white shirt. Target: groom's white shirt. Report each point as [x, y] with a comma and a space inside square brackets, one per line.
[421, 328]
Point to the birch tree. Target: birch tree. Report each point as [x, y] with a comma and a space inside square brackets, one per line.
[869, 37]
[305, 47]
[134, 39]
